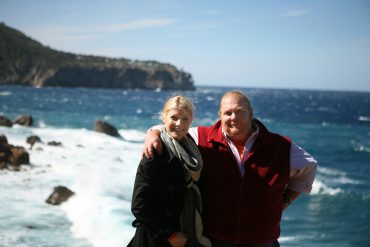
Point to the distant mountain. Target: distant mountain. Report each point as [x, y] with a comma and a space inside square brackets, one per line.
[24, 61]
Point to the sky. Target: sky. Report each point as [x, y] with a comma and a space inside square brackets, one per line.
[297, 44]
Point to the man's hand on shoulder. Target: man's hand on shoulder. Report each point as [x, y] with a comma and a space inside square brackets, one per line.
[152, 141]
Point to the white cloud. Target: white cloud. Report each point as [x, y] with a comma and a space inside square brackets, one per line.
[60, 34]
[296, 13]
[137, 24]
[55, 34]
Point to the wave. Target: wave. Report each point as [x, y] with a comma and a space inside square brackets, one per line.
[364, 119]
[362, 148]
[5, 93]
[321, 188]
[330, 181]
[100, 169]
[288, 239]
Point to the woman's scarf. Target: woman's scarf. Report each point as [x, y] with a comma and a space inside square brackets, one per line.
[186, 151]
[190, 220]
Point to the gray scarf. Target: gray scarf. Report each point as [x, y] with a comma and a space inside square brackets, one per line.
[186, 151]
[190, 220]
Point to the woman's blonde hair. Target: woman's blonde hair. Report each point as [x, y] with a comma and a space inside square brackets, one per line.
[178, 102]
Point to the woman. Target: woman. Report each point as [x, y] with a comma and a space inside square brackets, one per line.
[166, 203]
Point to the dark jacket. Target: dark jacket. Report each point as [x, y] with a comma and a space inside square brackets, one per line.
[243, 210]
[158, 199]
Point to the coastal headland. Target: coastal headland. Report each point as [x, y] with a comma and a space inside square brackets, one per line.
[25, 61]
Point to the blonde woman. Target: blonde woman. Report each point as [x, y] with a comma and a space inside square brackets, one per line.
[166, 203]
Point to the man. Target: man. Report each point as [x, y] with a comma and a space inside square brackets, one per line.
[250, 175]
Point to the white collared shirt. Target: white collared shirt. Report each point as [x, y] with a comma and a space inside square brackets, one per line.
[247, 148]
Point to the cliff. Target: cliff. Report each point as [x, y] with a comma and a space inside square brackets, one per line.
[24, 61]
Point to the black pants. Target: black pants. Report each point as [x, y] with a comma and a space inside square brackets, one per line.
[219, 243]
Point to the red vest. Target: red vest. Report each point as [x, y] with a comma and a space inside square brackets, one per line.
[243, 210]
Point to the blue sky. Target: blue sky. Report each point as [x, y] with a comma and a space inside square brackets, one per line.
[299, 44]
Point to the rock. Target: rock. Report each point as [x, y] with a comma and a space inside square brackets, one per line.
[25, 120]
[11, 157]
[32, 140]
[3, 140]
[4, 121]
[54, 143]
[59, 195]
[19, 157]
[3, 165]
[31, 227]
[104, 127]
[5, 152]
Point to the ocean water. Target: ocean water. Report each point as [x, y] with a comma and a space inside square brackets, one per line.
[333, 126]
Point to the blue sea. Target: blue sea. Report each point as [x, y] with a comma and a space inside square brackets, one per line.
[333, 126]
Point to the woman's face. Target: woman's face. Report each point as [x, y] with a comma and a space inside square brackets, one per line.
[177, 122]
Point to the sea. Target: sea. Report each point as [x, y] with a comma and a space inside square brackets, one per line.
[333, 126]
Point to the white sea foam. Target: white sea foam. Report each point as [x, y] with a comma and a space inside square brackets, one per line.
[321, 184]
[5, 93]
[329, 181]
[132, 135]
[100, 169]
[364, 118]
[320, 187]
[362, 148]
[288, 239]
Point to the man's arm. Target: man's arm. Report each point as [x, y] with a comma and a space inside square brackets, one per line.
[303, 168]
[153, 140]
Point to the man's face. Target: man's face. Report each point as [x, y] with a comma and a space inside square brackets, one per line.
[236, 117]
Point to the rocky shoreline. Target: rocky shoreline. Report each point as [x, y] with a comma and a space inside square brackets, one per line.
[13, 157]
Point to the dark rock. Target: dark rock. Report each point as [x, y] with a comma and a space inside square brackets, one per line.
[25, 120]
[4, 121]
[59, 195]
[31, 226]
[3, 165]
[3, 140]
[5, 152]
[19, 157]
[33, 139]
[12, 157]
[54, 143]
[104, 127]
